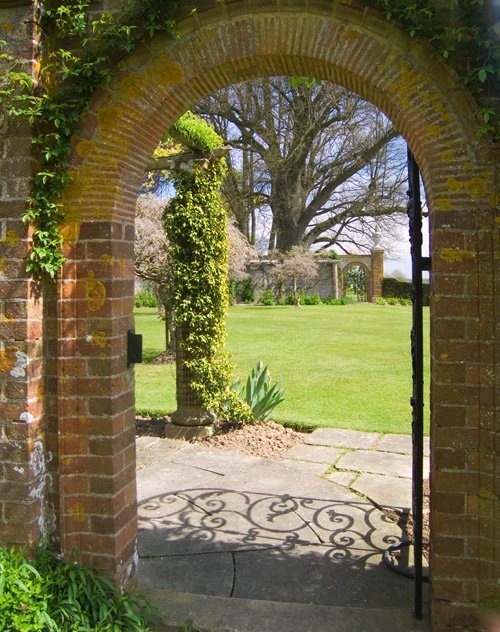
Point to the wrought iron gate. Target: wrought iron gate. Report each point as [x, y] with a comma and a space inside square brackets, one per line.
[419, 264]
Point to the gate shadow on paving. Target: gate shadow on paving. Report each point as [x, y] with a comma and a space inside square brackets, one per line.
[282, 547]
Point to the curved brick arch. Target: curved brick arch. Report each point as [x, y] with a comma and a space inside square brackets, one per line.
[222, 45]
[366, 271]
[234, 41]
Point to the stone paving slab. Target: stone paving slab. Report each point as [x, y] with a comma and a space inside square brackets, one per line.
[341, 478]
[288, 477]
[210, 574]
[319, 575]
[153, 451]
[307, 467]
[213, 460]
[385, 491]
[399, 443]
[210, 519]
[377, 463]
[156, 480]
[249, 615]
[314, 453]
[342, 438]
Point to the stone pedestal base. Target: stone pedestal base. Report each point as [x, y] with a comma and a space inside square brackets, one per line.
[193, 416]
[187, 432]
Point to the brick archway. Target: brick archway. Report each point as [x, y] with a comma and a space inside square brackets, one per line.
[366, 271]
[90, 397]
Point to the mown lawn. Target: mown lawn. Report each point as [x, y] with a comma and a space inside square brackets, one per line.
[343, 366]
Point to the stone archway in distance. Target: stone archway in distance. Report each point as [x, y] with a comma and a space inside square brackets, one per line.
[92, 394]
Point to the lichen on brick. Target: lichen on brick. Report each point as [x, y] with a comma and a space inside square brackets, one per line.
[444, 204]
[10, 239]
[70, 231]
[78, 512]
[452, 255]
[7, 358]
[20, 365]
[98, 339]
[95, 292]
[84, 148]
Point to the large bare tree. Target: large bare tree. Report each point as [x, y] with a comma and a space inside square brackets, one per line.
[321, 165]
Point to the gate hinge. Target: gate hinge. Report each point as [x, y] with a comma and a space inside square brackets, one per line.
[134, 348]
[426, 264]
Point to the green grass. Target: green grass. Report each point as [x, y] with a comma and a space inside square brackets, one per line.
[345, 366]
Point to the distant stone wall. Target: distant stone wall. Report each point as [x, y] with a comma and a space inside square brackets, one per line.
[331, 275]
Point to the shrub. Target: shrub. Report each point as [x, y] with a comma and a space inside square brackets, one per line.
[51, 594]
[241, 291]
[311, 299]
[145, 298]
[393, 300]
[344, 300]
[394, 288]
[258, 393]
[267, 297]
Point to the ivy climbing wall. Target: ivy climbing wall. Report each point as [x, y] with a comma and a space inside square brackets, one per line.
[85, 470]
[25, 480]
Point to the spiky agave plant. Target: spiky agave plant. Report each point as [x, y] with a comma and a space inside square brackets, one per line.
[258, 393]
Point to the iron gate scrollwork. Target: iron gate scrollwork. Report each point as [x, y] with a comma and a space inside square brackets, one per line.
[419, 264]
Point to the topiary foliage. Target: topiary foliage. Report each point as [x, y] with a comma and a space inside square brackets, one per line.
[197, 232]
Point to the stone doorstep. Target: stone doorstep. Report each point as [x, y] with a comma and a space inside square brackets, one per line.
[224, 614]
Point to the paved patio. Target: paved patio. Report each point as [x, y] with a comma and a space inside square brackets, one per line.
[242, 544]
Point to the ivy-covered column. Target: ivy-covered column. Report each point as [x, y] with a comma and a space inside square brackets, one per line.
[196, 228]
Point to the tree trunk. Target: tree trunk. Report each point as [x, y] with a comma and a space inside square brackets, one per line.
[296, 295]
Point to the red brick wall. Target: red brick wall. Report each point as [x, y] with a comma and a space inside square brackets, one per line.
[24, 484]
[90, 394]
[377, 273]
[96, 399]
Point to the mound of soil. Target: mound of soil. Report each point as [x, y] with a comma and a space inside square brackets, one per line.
[266, 439]
[166, 357]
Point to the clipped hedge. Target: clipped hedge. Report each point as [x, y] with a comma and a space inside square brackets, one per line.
[394, 288]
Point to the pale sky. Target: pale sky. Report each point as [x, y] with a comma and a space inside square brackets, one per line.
[400, 259]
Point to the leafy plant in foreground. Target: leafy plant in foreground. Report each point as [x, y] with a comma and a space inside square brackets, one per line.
[56, 595]
[258, 393]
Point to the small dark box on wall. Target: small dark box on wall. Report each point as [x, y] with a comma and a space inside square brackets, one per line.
[134, 348]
